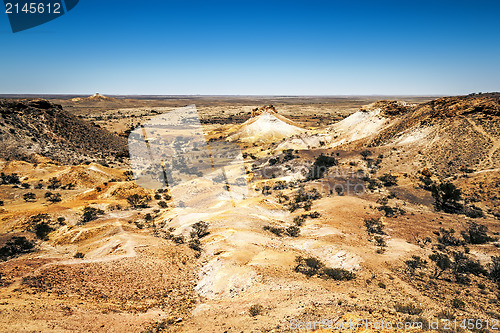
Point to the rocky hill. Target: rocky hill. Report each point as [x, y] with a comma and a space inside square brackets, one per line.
[30, 128]
[94, 98]
[449, 134]
[265, 125]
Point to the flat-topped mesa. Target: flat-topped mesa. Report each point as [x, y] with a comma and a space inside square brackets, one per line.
[264, 109]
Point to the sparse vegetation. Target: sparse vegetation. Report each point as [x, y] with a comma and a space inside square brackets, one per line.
[409, 308]
[199, 230]
[365, 153]
[388, 180]
[451, 278]
[457, 303]
[138, 201]
[442, 262]
[16, 246]
[255, 310]
[275, 230]
[374, 226]
[54, 183]
[53, 197]
[320, 166]
[311, 266]
[30, 196]
[9, 179]
[494, 269]
[293, 231]
[90, 214]
[42, 230]
[447, 198]
[414, 264]
[447, 238]
[476, 234]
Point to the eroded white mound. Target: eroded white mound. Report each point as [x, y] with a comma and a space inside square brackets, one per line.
[266, 127]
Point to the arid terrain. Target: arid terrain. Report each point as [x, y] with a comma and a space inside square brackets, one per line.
[330, 209]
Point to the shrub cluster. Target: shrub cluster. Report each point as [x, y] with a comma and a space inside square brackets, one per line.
[320, 166]
[90, 214]
[138, 201]
[9, 179]
[198, 231]
[311, 266]
[16, 246]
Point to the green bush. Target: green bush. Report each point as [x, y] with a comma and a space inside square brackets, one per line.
[308, 266]
[413, 264]
[445, 314]
[365, 154]
[466, 265]
[391, 211]
[446, 198]
[494, 269]
[380, 241]
[54, 183]
[338, 274]
[293, 231]
[16, 246]
[476, 234]
[9, 179]
[138, 201]
[388, 180]
[90, 214]
[457, 303]
[30, 196]
[442, 262]
[53, 197]
[195, 244]
[314, 215]
[299, 220]
[42, 230]
[374, 226]
[447, 237]
[311, 266]
[255, 310]
[179, 239]
[320, 166]
[79, 255]
[199, 230]
[275, 230]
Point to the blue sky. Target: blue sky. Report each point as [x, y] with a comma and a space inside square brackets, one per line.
[257, 48]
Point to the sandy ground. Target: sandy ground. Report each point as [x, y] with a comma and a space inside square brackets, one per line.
[135, 277]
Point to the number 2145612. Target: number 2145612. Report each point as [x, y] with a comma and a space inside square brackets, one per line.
[33, 8]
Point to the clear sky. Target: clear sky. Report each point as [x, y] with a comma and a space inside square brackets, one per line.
[257, 48]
